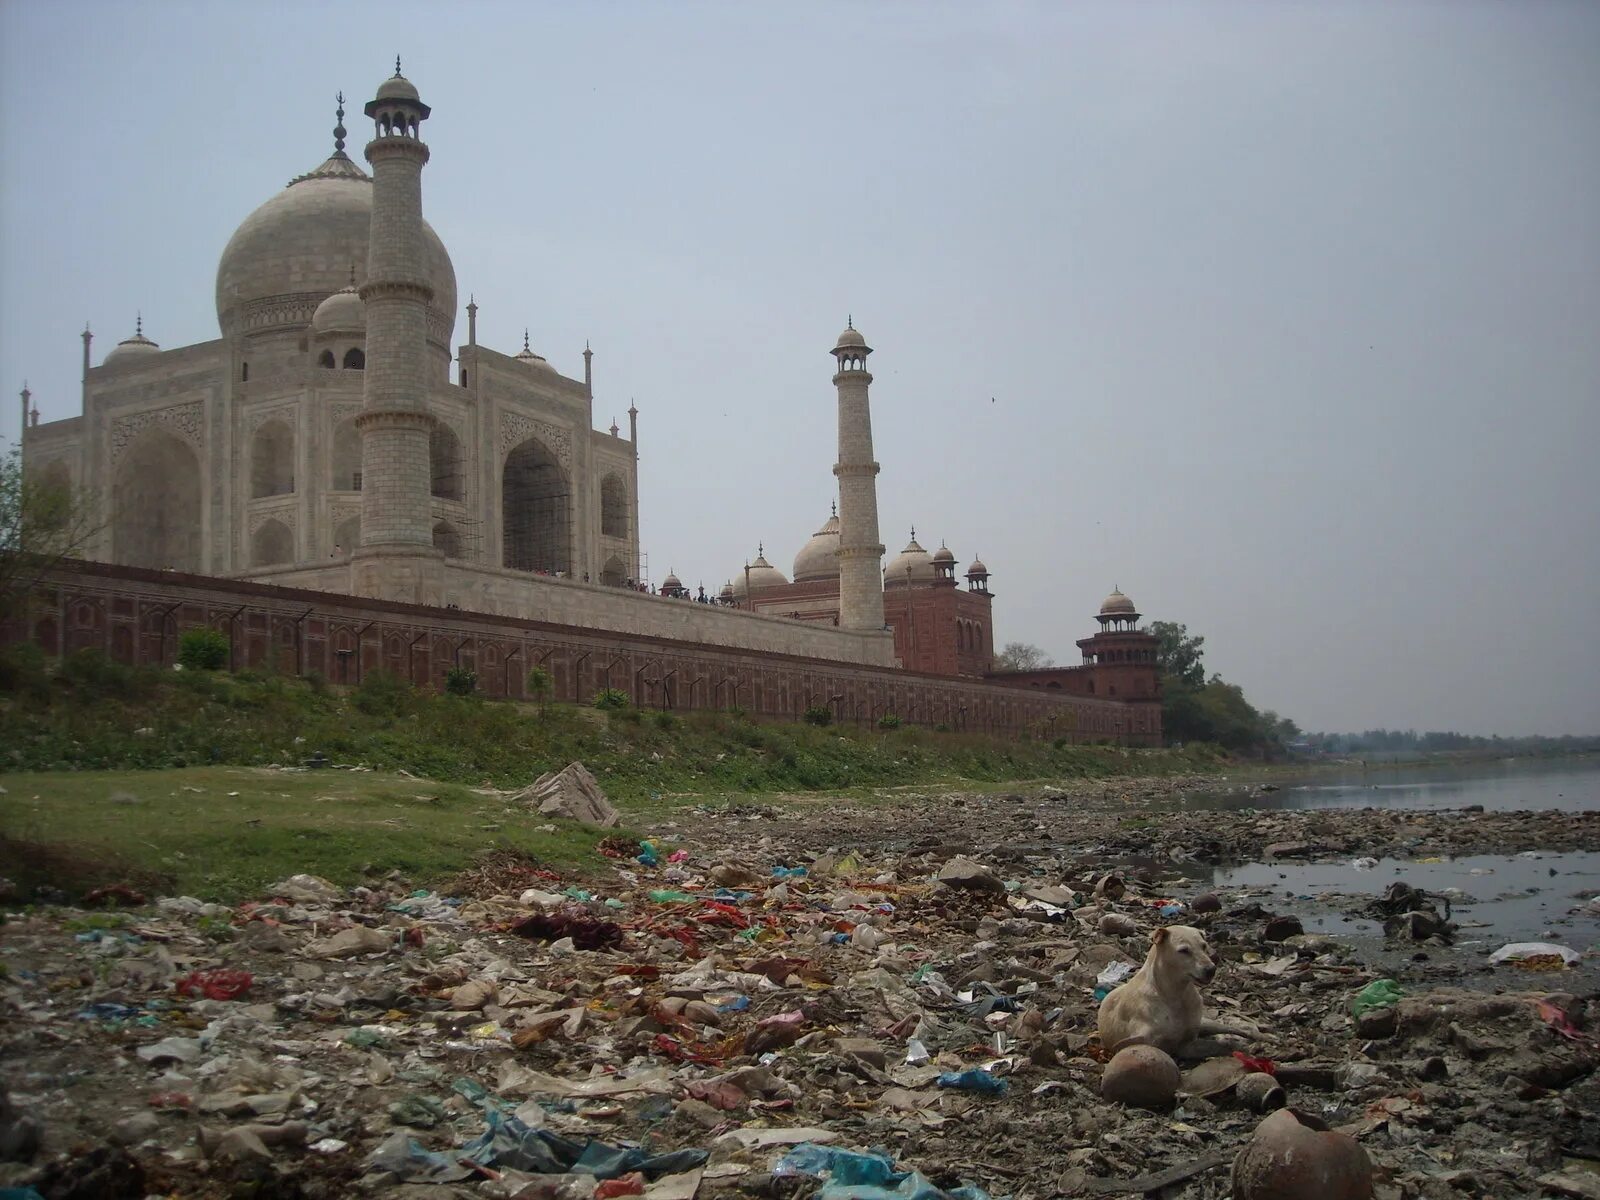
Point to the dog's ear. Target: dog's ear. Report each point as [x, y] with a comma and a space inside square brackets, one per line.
[1158, 936]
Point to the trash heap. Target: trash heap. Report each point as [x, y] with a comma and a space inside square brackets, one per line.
[719, 1013]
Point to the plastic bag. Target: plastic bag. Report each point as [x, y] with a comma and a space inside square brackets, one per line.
[216, 984]
[1380, 993]
[974, 1080]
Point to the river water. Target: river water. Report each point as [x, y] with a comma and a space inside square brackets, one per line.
[1536, 896]
[1502, 785]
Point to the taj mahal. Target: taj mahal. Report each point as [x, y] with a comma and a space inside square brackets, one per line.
[335, 437]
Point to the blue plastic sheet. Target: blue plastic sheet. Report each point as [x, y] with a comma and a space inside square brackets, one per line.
[974, 1080]
[854, 1175]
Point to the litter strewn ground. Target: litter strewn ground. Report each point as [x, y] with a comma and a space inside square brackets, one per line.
[763, 1000]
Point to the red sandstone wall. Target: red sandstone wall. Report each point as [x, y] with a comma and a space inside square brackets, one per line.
[137, 616]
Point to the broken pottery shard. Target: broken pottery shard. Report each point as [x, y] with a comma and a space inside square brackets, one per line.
[964, 873]
[571, 792]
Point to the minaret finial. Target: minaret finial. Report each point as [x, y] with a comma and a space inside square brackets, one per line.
[525, 340]
[835, 507]
[138, 324]
[850, 321]
[397, 64]
[338, 128]
[352, 272]
[913, 533]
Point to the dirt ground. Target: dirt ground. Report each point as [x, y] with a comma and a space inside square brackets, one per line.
[778, 982]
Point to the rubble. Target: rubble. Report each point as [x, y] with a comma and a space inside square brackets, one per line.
[571, 792]
[766, 1001]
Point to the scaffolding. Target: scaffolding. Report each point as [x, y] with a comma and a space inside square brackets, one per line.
[536, 501]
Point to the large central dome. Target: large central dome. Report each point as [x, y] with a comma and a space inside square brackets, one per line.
[298, 248]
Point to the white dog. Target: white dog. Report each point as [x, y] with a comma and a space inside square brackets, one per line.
[1160, 1004]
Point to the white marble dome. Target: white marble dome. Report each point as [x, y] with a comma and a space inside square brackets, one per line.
[342, 312]
[128, 349]
[1117, 604]
[298, 248]
[819, 557]
[914, 557]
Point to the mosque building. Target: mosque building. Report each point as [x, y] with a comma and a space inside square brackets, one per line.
[335, 438]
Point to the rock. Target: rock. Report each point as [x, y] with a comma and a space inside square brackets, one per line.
[1378, 1022]
[1295, 1156]
[962, 872]
[1433, 1069]
[570, 792]
[1210, 902]
[348, 943]
[1118, 925]
[1141, 1076]
[1289, 850]
[1279, 928]
[1260, 1092]
[132, 1130]
[863, 1050]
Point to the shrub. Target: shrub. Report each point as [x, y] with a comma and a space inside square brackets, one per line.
[1060, 743]
[540, 684]
[941, 727]
[819, 714]
[460, 681]
[665, 720]
[611, 698]
[381, 694]
[203, 649]
[91, 672]
[23, 673]
[889, 721]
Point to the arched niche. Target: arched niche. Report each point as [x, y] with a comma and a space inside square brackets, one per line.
[444, 463]
[155, 504]
[346, 537]
[446, 540]
[535, 511]
[272, 460]
[613, 574]
[613, 507]
[271, 545]
[346, 458]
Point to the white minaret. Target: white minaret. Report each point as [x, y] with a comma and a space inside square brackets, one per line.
[395, 422]
[860, 551]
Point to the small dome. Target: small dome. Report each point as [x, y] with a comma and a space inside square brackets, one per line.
[397, 87]
[342, 312]
[819, 557]
[1117, 604]
[537, 361]
[762, 575]
[851, 337]
[727, 590]
[911, 565]
[138, 346]
[944, 555]
[671, 583]
[977, 569]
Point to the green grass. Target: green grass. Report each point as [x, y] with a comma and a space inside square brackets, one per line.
[224, 833]
[74, 734]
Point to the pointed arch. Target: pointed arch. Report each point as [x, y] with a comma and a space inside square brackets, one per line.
[444, 460]
[613, 574]
[272, 460]
[271, 545]
[446, 540]
[613, 507]
[355, 359]
[325, 360]
[346, 537]
[155, 505]
[535, 510]
[346, 457]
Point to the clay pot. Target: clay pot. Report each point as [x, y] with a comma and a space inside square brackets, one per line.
[1142, 1076]
[1118, 925]
[1294, 1156]
[1260, 1092]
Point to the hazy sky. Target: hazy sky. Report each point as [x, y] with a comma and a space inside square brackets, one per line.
[1284, 317]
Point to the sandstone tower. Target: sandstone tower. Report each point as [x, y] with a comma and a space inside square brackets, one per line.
[395, 423]
[860, 551]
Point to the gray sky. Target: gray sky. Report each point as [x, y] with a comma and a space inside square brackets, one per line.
[1290, 313]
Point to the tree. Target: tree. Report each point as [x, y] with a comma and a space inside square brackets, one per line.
[1179, 654]
[1021, 656]
[540, 685]
[43, 519]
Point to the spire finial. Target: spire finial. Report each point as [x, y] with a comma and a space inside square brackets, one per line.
[913, 533]
[835, 507]
[761, 550]
[525, 340]
[338, 129]
[138, 324]
[850, 321]
[352, 272]
[397, 64]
